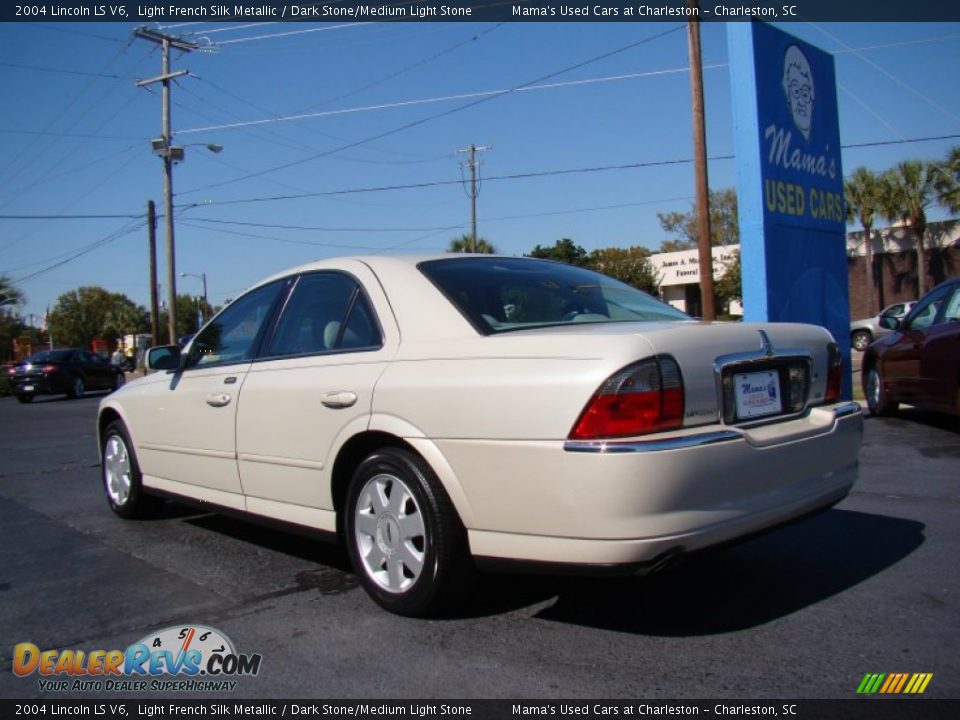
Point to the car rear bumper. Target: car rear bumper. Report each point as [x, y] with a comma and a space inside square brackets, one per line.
[35, 386]
[637, 502]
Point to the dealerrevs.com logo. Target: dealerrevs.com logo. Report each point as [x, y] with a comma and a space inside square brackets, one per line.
[179, 658]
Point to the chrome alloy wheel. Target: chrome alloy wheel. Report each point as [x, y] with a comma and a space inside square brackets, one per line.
[389, 532]
[117, 471]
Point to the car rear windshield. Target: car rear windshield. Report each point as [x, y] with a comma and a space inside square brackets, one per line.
[503, 294]
[50, 356]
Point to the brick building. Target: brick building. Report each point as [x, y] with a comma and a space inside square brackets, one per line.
[895, 264]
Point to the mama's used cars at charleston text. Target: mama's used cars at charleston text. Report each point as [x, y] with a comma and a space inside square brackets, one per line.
[450, 412]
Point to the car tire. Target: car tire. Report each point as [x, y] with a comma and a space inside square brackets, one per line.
[77, 388]
[406, 542]
[119, 381]
[122, 479]
[878, 400]
[862, 340]
[25, 398]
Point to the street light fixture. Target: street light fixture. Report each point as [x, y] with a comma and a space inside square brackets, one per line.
[203, 277]
[171, 154]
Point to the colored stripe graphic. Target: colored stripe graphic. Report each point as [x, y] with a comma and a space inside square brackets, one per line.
[894, 683]
[871, 683]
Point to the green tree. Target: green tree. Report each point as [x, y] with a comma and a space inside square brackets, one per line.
[629, 265]
[730, 285]
[948, 186]
[91, 312]
[668, 246]
[865, 193]
[465, 244]
[563, 250]
[724, 223]
[187, 320]
[10, 294]
[912, 190]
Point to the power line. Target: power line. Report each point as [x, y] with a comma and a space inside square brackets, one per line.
[12, 164]
[125, 230]
[889, 75]
[293, 32]
[322, 228]
[533, 174]
[402, 71]
[87, 191]
[445, 113]
[486, 93]
[289, 241]
[483, 94]
[69, 217]
[909, 141]
[440, 183]
[85, 136]
[64, 71]
[386, 78]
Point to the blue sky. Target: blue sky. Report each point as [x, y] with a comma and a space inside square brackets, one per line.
[74, 139]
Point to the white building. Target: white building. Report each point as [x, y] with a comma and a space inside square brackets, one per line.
[679, 276]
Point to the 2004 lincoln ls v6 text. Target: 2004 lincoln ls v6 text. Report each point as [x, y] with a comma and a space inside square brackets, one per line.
[444, 413]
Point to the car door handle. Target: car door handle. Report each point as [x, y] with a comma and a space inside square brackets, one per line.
[218, 400]
[339, 399]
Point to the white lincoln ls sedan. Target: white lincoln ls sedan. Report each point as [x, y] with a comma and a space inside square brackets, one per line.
[445, 413]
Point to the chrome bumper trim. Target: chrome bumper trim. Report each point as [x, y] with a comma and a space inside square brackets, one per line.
[679, 442]
[635, 446]
[850, 408]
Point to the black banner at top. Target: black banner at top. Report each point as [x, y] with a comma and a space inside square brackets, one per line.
[482, 11]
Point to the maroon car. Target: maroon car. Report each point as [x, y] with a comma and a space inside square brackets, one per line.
[919, 363]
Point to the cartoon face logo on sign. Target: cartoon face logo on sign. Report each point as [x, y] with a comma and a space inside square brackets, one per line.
[798, 87]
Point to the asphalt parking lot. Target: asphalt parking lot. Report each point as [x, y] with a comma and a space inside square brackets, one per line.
[869, 586]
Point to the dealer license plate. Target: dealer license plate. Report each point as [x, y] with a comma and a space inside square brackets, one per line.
[757, 394]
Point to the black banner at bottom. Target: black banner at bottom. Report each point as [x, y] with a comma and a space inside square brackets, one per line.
[866, 708]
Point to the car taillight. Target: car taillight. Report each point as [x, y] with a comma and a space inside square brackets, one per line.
[11, 372]
[834, 374]
[642, 398]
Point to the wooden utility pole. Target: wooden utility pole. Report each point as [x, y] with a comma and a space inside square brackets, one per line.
[169, 154]
[473, 191]
[704, 236]
[154, 300]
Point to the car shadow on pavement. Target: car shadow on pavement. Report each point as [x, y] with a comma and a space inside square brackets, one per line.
[282, 540]
[722, 590]
[746, 585]
[949, 423]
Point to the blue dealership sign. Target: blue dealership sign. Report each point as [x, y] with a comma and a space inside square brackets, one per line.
[789, 181]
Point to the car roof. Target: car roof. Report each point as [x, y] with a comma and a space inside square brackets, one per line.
[378, 262]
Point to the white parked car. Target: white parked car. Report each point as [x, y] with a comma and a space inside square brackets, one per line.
[449, 412]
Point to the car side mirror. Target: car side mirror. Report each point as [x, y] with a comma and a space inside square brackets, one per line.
[889, 322]
[164, 357]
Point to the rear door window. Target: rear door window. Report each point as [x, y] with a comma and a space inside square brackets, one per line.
[326, 312]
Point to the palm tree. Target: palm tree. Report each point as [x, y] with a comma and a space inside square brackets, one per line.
[913, 189]
[9, 293]
[864, 195]
[465, 244]
[948, 188]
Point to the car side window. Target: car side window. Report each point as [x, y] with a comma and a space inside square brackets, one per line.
[893, 311]
[326, 312]
[952, 312]
[925, 314]
[232, 335]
